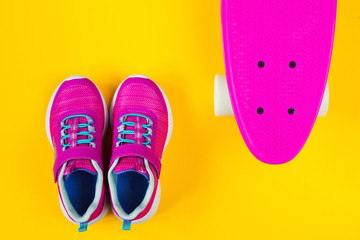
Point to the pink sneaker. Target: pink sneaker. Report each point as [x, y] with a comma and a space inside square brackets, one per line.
[76, 121]
[142, 124]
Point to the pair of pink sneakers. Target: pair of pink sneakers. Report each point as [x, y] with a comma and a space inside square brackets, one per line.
[76, 123]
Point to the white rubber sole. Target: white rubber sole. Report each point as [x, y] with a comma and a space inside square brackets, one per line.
[101, 216]
[156, 202]
[47, 127]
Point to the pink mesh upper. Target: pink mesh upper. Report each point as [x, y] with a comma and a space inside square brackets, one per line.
[73, 97]
[76, 97]
[144, 94]
[141, 96]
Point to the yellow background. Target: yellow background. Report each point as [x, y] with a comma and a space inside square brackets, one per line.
[212, 187]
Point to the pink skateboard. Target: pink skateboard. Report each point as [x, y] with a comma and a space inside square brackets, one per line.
[277, 59]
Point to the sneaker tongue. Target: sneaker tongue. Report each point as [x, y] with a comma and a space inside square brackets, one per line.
[131, 163]
[79, 164]
[74, 124]
[138, 129]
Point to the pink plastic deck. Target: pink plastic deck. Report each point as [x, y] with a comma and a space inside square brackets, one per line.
[277, 58]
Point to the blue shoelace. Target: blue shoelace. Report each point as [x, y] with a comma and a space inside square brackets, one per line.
[122, 131]
[88, 133]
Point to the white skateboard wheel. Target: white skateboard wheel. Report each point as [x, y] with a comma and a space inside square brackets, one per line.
[325, 102]
[222, 103]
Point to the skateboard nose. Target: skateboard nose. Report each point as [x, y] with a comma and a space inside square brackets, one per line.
[275, 148]
[274, 160]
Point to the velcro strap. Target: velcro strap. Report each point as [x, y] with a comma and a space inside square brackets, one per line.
[76, 153]
[137, 150]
